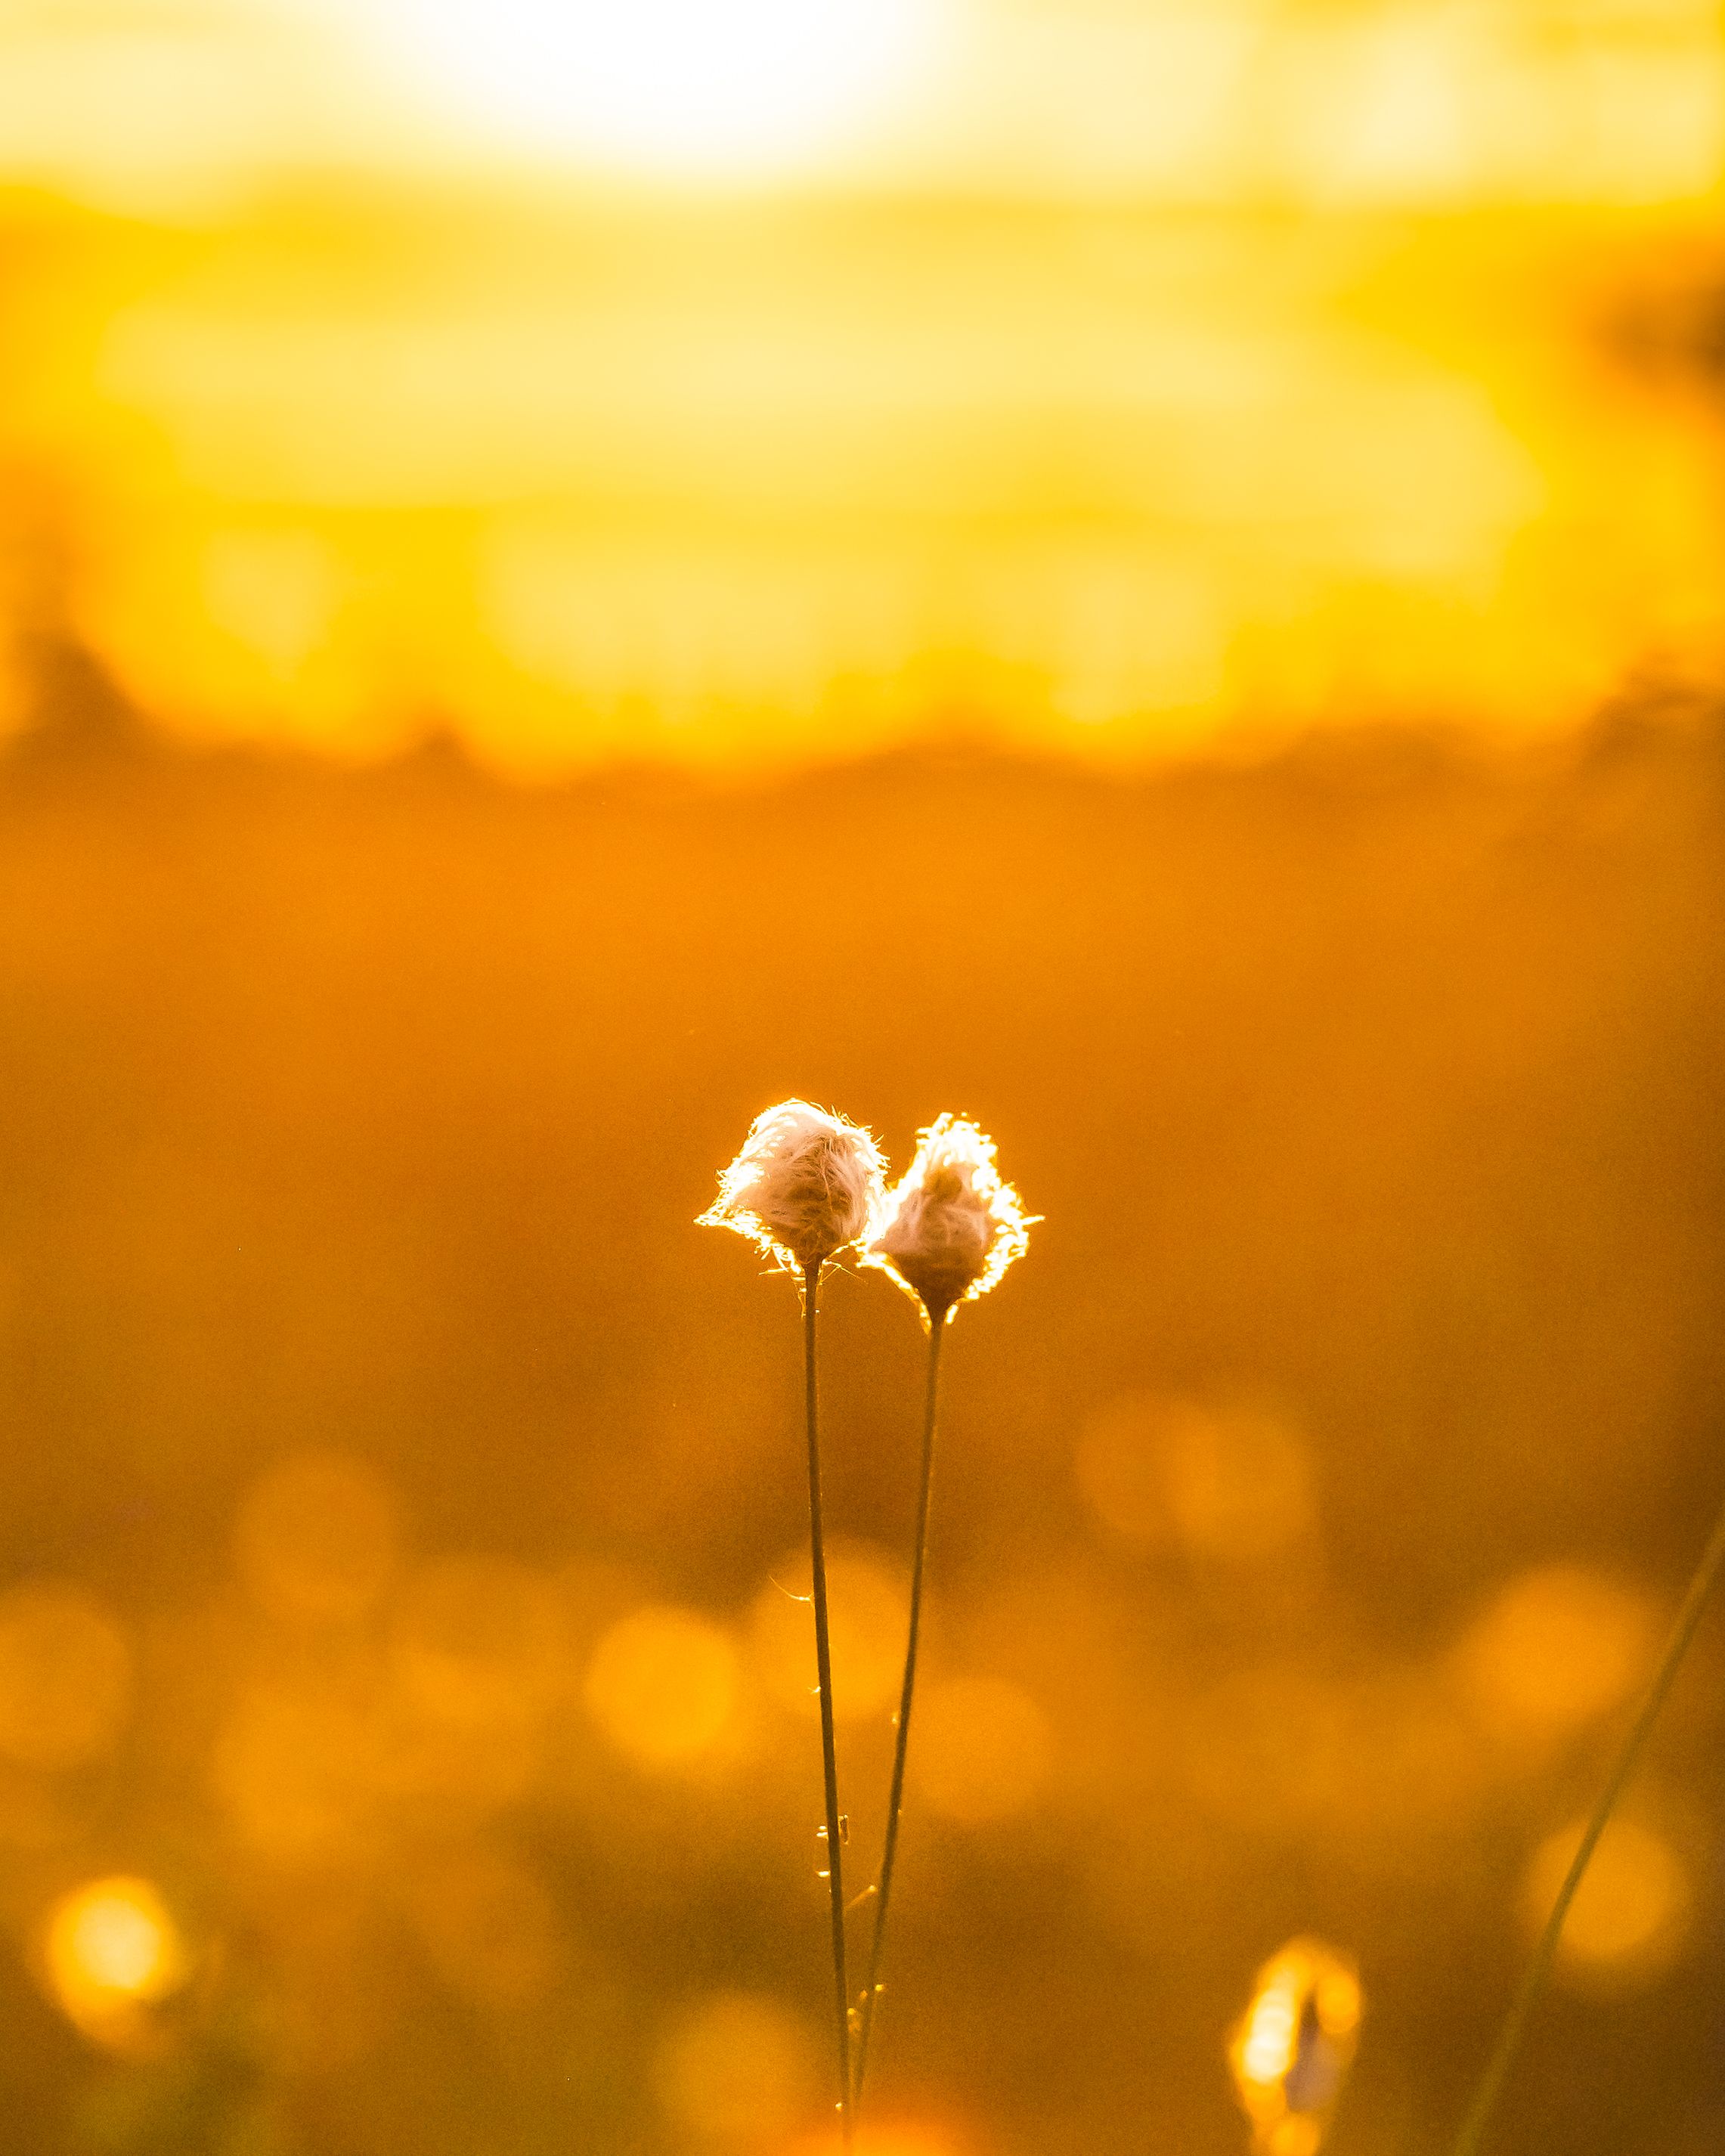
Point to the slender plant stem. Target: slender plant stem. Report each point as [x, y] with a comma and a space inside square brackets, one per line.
[1509, 2042]
[823, 1671]
[895, 1799]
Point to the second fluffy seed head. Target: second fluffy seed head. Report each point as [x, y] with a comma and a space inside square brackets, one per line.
[951, 1227]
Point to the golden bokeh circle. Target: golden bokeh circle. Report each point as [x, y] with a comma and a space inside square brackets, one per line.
[662, 1686]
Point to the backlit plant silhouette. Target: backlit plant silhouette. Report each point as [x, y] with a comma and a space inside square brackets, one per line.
[946, 1234]
[807, 1185]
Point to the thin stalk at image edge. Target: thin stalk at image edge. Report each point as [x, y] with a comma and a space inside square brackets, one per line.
[896, 1798]
[823, 1671]
[1478, 2116]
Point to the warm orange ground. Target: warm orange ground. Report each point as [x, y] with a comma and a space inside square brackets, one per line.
[1370, 1097]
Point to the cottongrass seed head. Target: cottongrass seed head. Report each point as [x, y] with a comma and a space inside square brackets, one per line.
[806, 1183]
[952, 1227]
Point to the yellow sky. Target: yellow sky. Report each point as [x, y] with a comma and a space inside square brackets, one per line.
[1428, 100]
[1113, 377]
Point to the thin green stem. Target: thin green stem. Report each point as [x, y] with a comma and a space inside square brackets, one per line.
[1509, 2042]
[896, 1798]
[823, 1671]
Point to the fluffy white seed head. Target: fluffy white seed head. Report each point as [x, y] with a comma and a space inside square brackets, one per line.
[805, 1185]
[952, 1227]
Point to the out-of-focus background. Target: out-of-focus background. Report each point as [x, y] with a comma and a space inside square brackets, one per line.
[1148, 572]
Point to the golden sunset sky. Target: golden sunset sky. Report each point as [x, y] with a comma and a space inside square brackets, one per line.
[735, 383]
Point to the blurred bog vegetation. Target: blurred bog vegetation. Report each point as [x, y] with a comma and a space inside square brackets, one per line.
[402, 1501]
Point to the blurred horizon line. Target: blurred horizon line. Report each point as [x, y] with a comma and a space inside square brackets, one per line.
[80, 717]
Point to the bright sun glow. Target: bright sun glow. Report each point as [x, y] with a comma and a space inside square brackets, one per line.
[678, 87]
